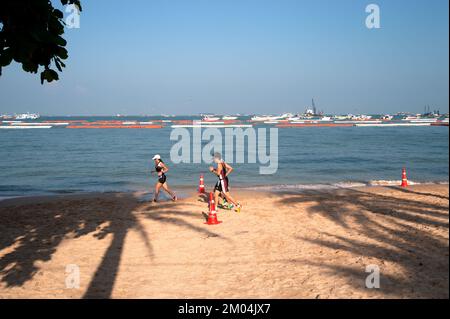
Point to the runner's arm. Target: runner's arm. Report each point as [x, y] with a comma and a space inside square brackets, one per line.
[229, 169]
[165, 169]
[215, 171]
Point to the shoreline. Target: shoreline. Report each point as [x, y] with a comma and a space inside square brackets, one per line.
[185, 190]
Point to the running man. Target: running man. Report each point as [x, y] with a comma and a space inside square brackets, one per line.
[161, 169]
[222, 185]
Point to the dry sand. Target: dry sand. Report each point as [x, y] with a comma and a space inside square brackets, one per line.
[282, 245]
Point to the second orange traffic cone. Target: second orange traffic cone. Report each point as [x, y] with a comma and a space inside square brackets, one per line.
[201, 186]
[404, 178]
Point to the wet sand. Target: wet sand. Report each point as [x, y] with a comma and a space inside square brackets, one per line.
[314, 244]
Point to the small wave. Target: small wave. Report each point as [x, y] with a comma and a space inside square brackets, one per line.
[2, 198]
[399, 182]
[306, 187]
[332, 186]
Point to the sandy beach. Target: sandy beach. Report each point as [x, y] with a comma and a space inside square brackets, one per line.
[314, 244]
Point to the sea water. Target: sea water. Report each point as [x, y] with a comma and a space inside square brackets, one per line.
[60, 161]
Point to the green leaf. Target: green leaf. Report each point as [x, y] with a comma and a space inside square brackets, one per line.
[58, 64]
[6, 57]
[58, 14]
[49, 75]
[62, 53]
[30, 67]
[60, 41]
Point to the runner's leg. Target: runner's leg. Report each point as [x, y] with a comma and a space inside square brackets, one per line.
[157, 188]
[169, 191]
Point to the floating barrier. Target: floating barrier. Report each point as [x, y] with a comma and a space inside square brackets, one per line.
[115, 126]
[312, 125]
[212, 126]
[15, 127]
[439, 124]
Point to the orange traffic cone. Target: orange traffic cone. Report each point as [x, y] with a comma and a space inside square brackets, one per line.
[201, 186]
[212, 216]
[404, 178]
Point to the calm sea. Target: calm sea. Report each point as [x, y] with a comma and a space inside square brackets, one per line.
[59, 161]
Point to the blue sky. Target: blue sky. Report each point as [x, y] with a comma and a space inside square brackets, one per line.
[246, 56]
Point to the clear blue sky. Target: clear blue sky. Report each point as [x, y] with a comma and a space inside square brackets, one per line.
[247, 56]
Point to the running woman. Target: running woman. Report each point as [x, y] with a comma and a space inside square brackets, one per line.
[222, 186]
[161, 169]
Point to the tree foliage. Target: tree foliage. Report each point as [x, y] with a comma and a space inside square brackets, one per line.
[31, 34]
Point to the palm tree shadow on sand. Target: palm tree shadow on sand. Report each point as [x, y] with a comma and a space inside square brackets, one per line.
[36, 239]
[422, 256]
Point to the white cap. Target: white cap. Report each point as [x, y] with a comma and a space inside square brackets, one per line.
[157, 156]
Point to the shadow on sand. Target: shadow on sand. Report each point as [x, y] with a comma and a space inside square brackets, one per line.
[34, 239]
[403, 237]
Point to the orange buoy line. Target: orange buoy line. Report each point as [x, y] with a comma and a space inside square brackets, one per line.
[439, 124]
[287, 125]
[115, 126]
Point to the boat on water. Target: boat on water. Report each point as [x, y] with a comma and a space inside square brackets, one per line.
[27, 116]
[6, 117]
[210, 118]
[229, 118]
[270, 118]
[424, 120]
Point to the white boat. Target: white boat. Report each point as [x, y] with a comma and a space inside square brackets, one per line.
[27, 116]
[229, 118]
[424, 120]
[263, 118]
[340, 117]
[270, 118]
[387, 117]
[209, 118]
[411, 117]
